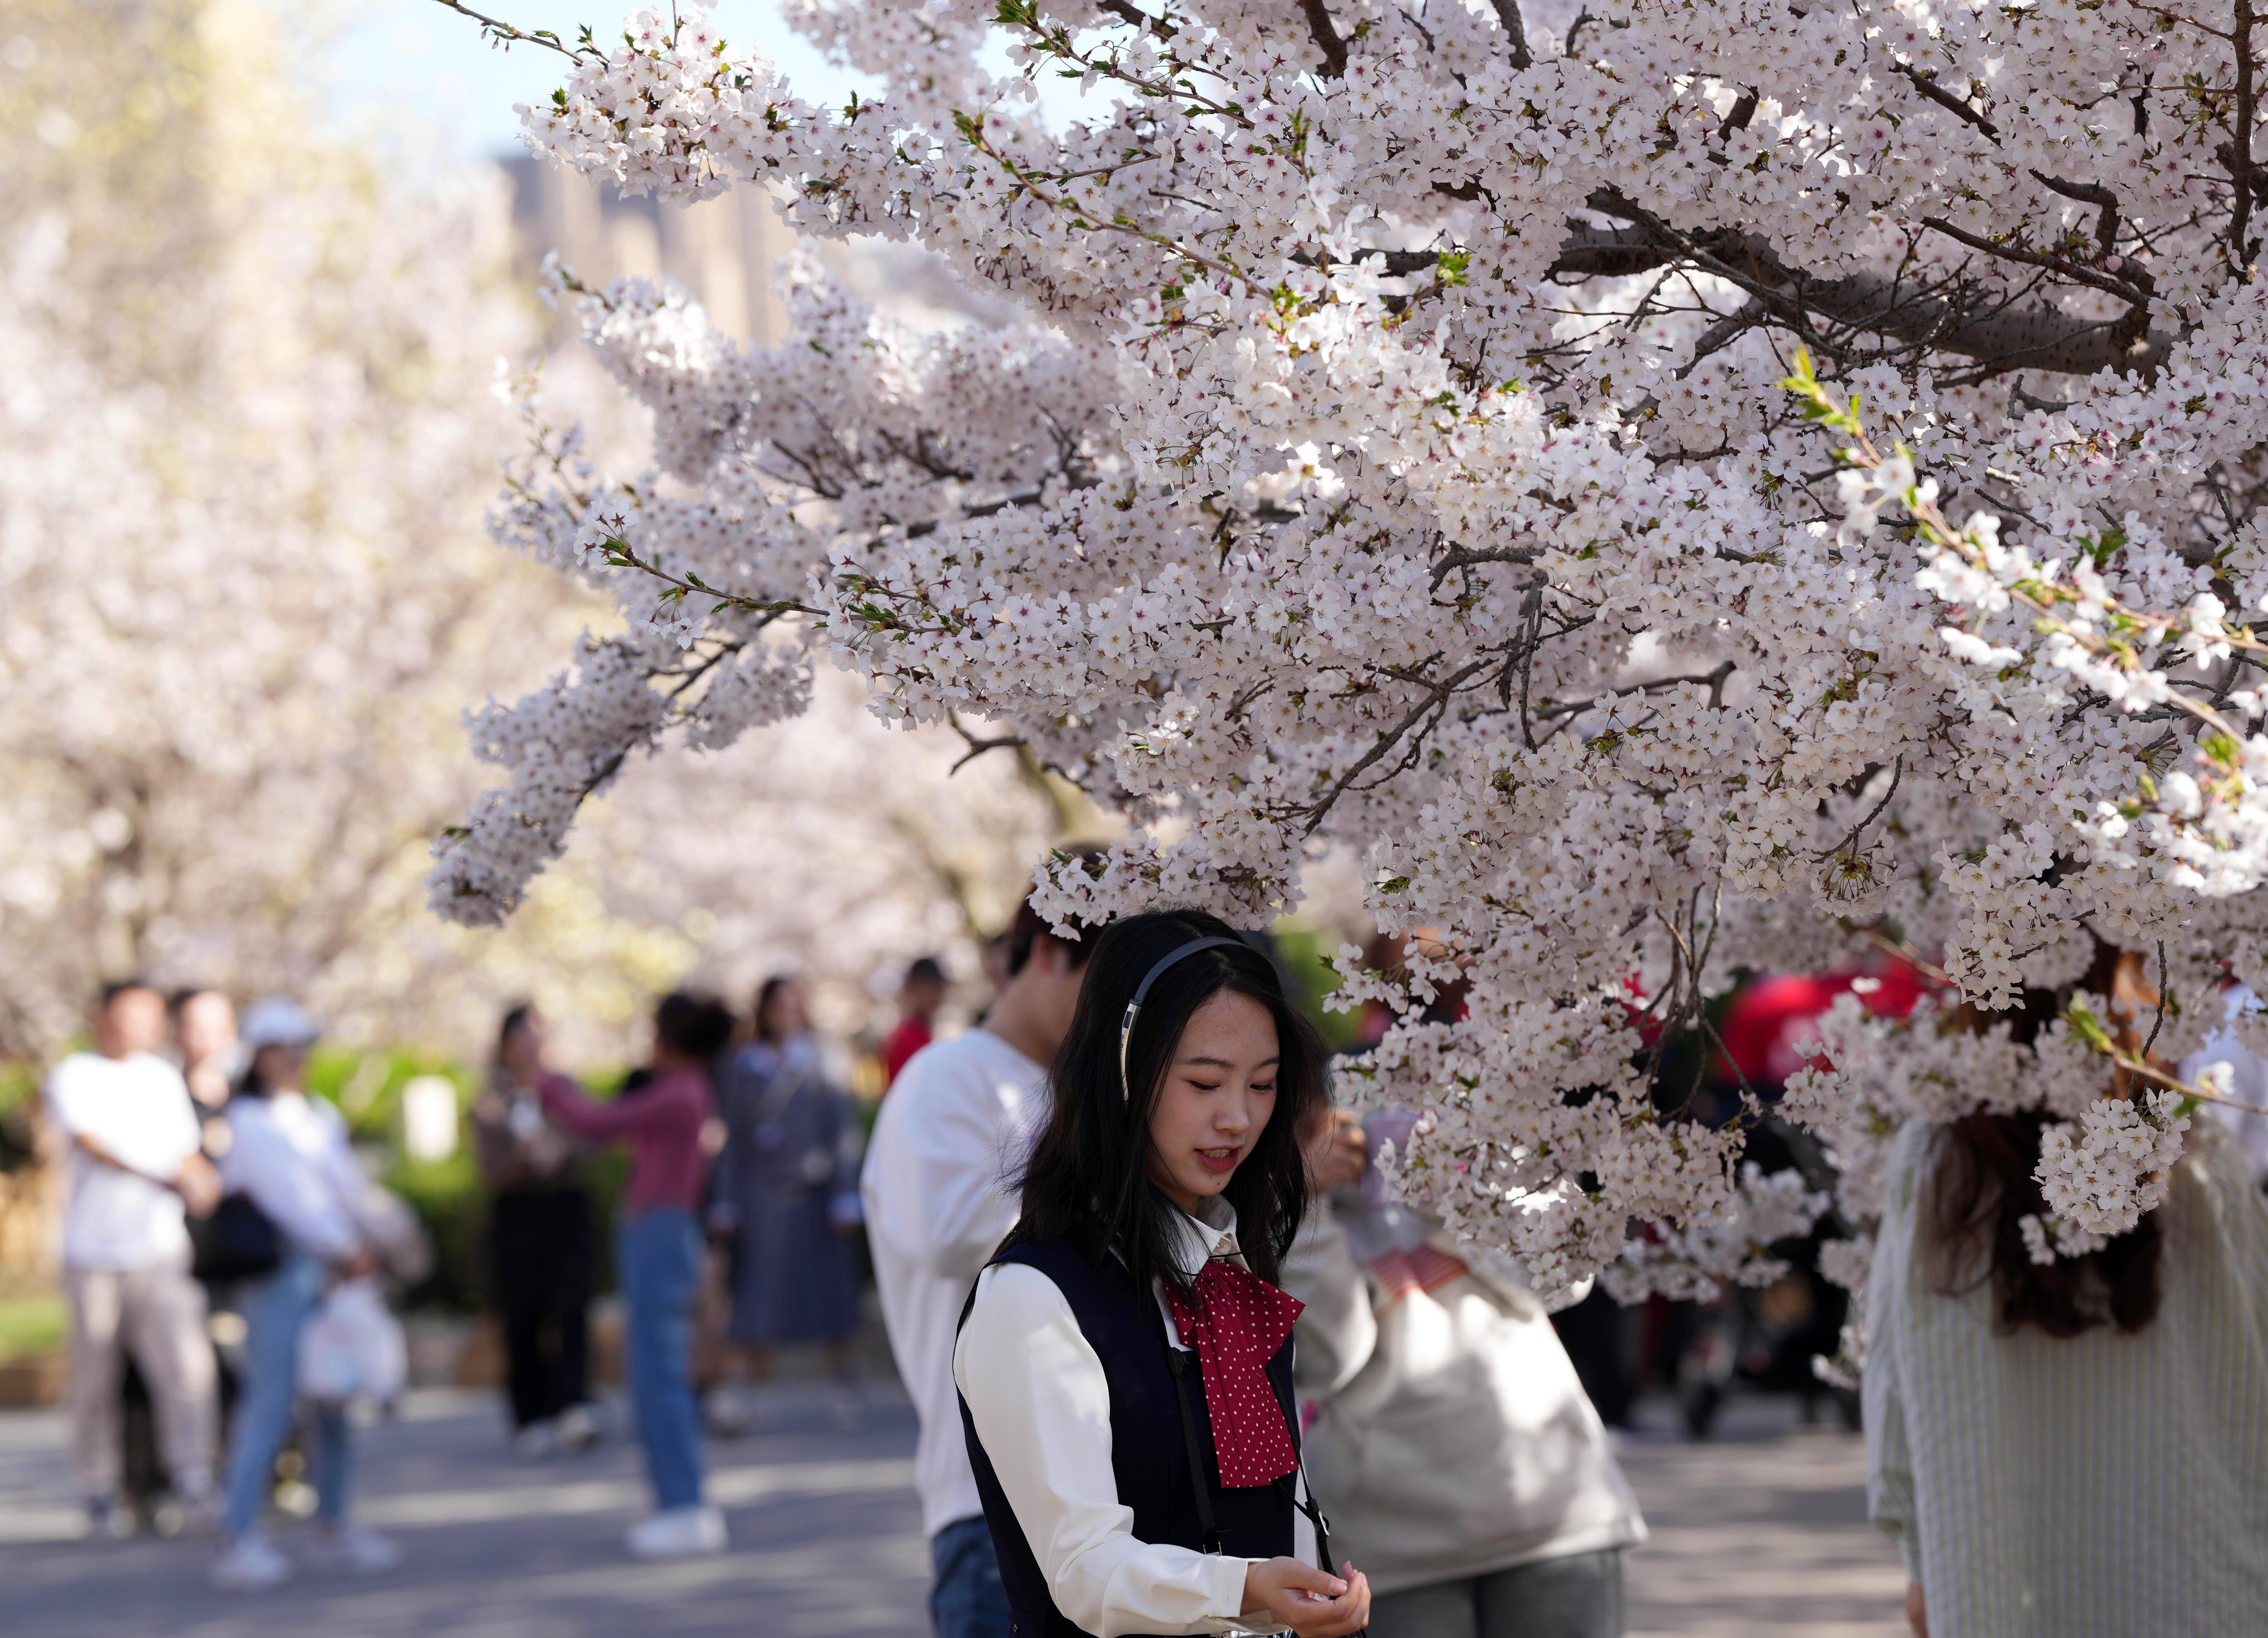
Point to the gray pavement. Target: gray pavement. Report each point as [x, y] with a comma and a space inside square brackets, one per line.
[1760, 1532]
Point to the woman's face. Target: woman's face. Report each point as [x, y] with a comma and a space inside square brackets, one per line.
[1219, 1091]
[282, 1068]
[522, 1050]
[785, 1015]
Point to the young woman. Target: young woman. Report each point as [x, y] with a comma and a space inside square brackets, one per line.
[538, 1244]
[784, 1195]
[658, 1257]
[1125, 1366]
[2078, 1448]
[288, 1153]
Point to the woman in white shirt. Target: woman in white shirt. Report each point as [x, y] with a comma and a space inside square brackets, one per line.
[1124, 1367]
[288, 1153]
[2076, 1448]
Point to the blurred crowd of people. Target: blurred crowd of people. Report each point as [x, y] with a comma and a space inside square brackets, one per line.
[226, 1258]
[212, 1202]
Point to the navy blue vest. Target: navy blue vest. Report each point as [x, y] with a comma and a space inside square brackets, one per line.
[1148, 1453]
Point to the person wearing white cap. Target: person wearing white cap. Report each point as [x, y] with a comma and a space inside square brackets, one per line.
[288, 1153]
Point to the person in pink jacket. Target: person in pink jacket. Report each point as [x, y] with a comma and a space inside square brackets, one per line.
[658, 1256]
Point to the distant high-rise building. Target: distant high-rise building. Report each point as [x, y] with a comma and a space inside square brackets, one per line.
[722, 250]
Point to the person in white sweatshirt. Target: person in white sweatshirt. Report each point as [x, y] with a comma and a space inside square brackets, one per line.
[288, 1154]
[1452, 1446]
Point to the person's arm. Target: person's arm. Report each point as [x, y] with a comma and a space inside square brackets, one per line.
[1041, 1406]
[191, 1177]
[1889, 1458]
[845, 1208]
[499, 1154]
[572, 1108]
[1339, 1329]
[296, 1194]
[721, 1193]
[936, 1191]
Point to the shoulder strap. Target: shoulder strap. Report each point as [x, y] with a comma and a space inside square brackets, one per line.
[1309, 1506]
[1177, 1365]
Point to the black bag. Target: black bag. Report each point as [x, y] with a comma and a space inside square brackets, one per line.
[238, 1242]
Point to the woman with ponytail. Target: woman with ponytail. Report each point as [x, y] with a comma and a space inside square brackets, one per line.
[1125, 1364]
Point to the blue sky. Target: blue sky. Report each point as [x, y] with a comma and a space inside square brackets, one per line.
[414, 67]
[414, 71]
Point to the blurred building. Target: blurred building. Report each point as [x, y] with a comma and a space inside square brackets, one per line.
[725, 251]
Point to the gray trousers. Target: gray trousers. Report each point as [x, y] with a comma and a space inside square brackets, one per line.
[160, 1313]
[1576, 1596]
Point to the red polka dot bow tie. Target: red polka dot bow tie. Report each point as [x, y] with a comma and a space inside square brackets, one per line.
[1235, 1324]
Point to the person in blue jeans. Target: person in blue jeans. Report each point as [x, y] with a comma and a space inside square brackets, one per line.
[288, 1154]
[966, 1597]
[658, 1257]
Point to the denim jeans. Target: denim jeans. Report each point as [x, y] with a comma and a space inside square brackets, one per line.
[275, 1310]
[966, 1599]
[1580, 1596]
[658, 1255]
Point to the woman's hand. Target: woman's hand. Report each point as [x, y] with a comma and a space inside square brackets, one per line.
[1336, 1151]
[1310, 1603]
[1916, 1612]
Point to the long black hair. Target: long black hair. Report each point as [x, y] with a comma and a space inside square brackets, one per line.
[1088, 1178]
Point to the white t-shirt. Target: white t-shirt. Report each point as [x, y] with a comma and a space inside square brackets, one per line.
[138, 1110]
[953, 1128]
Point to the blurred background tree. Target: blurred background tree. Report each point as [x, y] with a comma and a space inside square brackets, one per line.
[248, 438]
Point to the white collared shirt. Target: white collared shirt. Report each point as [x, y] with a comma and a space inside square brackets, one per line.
[1041, 1403]
[938, 1200]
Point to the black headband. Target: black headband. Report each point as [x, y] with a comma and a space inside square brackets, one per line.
[1134, 1007]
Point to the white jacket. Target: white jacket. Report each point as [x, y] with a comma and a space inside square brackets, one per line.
[1453, 1438]
[289, 1152]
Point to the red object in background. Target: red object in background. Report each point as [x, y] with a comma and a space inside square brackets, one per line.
[912, 1034]
[1768, 1018]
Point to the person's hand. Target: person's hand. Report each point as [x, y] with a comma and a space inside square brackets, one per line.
[1917, 1613]
[1310, 1603]
[360, 1265]
[198, 1184]
[1338, 1153]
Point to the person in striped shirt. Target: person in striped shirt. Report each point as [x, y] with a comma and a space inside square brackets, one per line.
[2077, 1449]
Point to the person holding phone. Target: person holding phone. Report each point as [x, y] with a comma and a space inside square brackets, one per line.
[1124, 1363]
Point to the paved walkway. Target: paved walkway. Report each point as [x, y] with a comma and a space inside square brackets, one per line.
[1762, 1532]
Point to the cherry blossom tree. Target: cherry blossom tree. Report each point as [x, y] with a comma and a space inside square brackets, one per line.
[247, 436]
[1678, 489]
[249, 432]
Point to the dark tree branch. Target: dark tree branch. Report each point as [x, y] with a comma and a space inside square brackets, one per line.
[1156, 27]
[1927, 86]
[2135, 290]
[1508, 17]
[2008, 338]
[2106, 225]
[1326, 37]
[1460, 557]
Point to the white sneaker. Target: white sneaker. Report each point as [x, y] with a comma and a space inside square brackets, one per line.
[251, 1563]
[107, 1521]
[579, 1429]
[729, 1409]
[536, 1440]
[196, 1510]
[350, 1550]
[679, 1532]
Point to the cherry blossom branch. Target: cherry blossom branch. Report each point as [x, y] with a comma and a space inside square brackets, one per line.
[504, 34]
